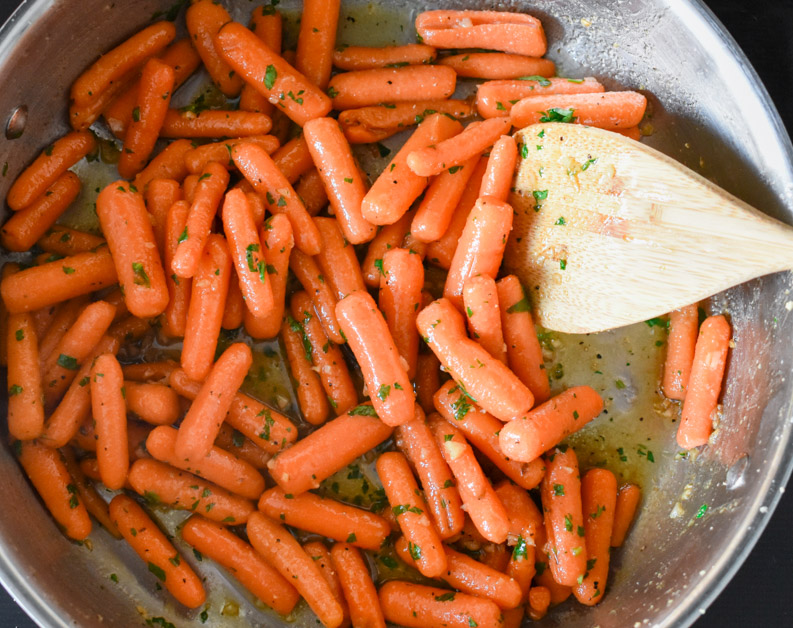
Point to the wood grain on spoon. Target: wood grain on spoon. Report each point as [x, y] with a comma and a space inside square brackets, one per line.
[609, 232]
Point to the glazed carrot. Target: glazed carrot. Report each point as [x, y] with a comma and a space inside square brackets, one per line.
[378, 122]
[704, 384]
[62, 319]
[496, 65]
[160, 195]
[311, 191]
[398, 186]
[486, 380]
[164, 484]
[154, 403]
[198, 158]
[481, 246]
[545, 577]
[311, 397]
[234, 311]
[407, 503]
[189, 186]
[181, 56]
[200, 426]
[25, 407]
[399, 301]
[479, 499]
[271, 75]
[81, 117]
[524, 353]
[680, 346]
[204, 19]
[358, 586]
[174, 321]
[610, 110]
[326, 357]
[293, 159]
[561, 502]
[345, 185]
[232, 441]
[262, 173]
[115, 297]
[94, 504]
[624, 511]
[364, 58]
[316, 39]
[110, 414]
[480, 298]
[598, 499]
[247, 253]
[337, 260]
[48, 168]
[214, 123]
[427, 380]
[388, 237]
[325, 517]
[268, 429]
[267, 25]
[304, 465]
[419, 606]
[632, 132]
[539, 601]
[150, 371]
[50, 477]
[495, 30]
[130, 329]
[313, 281]
[26, 226]
[497, 181]
[168, 164]
[65, 241]
[154, 95]
[40, 320]
[374, 348]
[320, 554]
[482, 430]
[238, 557]
[497, 98]
[114, 64]
[370, 87]
[524, 521]
[415, 440]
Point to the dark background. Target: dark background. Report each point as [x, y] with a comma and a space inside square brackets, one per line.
[759, 594]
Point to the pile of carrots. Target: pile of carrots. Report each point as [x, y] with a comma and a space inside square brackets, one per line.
[188, 248]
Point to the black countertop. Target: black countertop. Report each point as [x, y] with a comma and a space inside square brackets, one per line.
[759, 593]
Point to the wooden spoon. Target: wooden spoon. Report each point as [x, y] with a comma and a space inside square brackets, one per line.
[609, 232]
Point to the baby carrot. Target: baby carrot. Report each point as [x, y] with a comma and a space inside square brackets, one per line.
[356, 582]
[419, 606]
[153, 546]
[267, 25]
[154, 95]
[628, 498]
[200, 426]
[496, 98]
[198, 158]
[174, 321]
[127, 227]
[485, 380]
[310, 394]
[214, 123]
[564, 522]
[398, 186]
[168, 164]
[25, 407]
[282, 551]
[292, 92]
[383, 371]
[343, 181]
[500, 168]
[545, 426]
[369, 87]
[313, 281]
[365, 58]
[94, 504]
[263, 174]
[482, 430]
[480, 298]
[110, 414]
[424, 543]
[325, 517]
[242, 561]
[524, 353]
[704, 384]
[337, 260]
[293, 159]
[130, 329]
[479, 499]
[610, 110]
[388, 237]
[415, 440]
[189, 186]
[545, 576]
[48, 167]
[50, 477]
[154, 403]
[150, 371]
[427, 380]
[481, 245]
[316, 40]
[498, 65]
[598, 499]
[304, 465]
[81, 117]
[320, 554]
[204, 19]
[326, 356]
[159, 197]
[524, 521]
[40, 320]
[161, 483]
[539, 601]
[26, 226]
[65, 241]
[113, 65]
[632, 132]
[400, 299]
[233, 312]
[681, 343]
[243, 448]
[311, 191]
